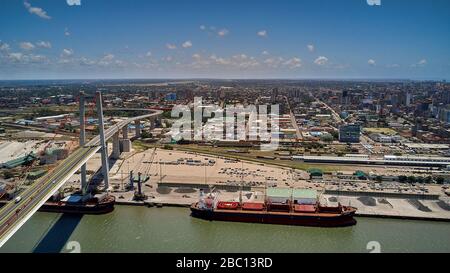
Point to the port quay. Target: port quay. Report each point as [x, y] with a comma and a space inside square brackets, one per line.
[216, 143]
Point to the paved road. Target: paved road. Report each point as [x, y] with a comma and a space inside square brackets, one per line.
[293, 120]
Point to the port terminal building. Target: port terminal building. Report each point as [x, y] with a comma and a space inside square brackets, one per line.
[417, 161]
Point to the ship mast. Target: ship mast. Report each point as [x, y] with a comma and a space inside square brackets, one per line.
[242, 183]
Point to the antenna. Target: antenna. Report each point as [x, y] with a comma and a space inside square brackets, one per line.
[242, 182]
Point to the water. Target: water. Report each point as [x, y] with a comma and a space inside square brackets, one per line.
[140, 229]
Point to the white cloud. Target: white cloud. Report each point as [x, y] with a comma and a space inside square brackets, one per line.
[27, 46]
[4, 46]
[223, 32]
[311, 48]
[293, 63]
[74, 2]
[202, 27]
[321, 60]
[187, 44]
[371, 62]
[16, 57]
[223, 61]
[66, 32]
[67, 52]
[37, 11]
[273, 62]
[106, 59]
[37, 58]
[196, 56]
[44, 44]
[219, 60]
[421, 63]
[265, 52]
[262, 33]
[171, 46]
[148, 54]
[240, 57]
[86, 61]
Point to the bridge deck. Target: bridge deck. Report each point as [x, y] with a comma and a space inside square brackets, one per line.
[14, 214]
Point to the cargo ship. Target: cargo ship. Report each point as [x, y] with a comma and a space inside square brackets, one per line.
[280, 206]
[77, 204]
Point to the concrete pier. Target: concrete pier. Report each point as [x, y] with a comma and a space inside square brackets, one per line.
[104, 149]
[116, 146]
[137, 125]
[125, 132]
[125, 145]
[152, 124]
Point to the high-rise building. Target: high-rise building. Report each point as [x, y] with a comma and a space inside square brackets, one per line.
[349, 133]
[274, 94]
[408, 99]
[446, 96]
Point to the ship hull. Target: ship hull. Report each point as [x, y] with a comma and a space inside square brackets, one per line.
[313, 220]
[103, 208]
[63, 207]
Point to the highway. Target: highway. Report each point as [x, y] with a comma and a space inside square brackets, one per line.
[14, 214]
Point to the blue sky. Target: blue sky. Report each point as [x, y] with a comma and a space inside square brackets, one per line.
[50, 39]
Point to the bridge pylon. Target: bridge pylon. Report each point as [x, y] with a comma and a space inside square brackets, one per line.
[104, 147]
[82, 141]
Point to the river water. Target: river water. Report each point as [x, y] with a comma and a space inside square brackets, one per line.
[141, 229]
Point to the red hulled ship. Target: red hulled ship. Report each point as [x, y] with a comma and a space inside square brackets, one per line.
[281, 206]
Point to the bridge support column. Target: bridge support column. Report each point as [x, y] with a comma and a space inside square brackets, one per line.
[137, 125]
[82, 142]
[116, 146]
[125, 143]
[125, 132]
[152, 124]
[104, 150]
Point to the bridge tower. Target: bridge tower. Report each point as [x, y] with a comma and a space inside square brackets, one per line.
[104, 149]
[82, 141]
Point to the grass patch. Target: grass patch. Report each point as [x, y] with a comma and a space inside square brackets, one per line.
[385, 131]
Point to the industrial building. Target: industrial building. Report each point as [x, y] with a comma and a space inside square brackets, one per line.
[386, 160]
[349, 133]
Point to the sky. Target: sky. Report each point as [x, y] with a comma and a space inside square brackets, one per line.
[296, 39]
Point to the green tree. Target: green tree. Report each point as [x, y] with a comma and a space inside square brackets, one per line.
[440, 180]
[168, 147]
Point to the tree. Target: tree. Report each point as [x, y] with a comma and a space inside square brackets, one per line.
[420, 179]
[440, 180]
[428, 180]
[327, 138]
[411, 179]
[146, 134]
[8, 175]
[402, 179]
[168, 147]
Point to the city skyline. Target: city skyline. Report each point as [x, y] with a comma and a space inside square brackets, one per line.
[70, 39]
